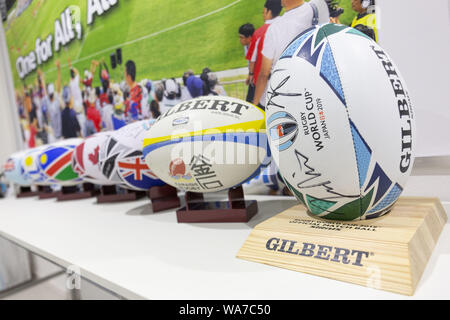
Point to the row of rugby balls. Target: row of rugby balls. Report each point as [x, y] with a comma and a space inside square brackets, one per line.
[138, 158]
[105, 158]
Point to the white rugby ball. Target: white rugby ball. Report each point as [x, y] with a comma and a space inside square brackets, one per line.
[55, 162]
[86, 159]
[341, 123]
[207, 144]
[121, 160]
[13, 170]
[31, 168]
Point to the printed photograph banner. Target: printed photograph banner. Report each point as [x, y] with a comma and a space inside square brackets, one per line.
[74, 53]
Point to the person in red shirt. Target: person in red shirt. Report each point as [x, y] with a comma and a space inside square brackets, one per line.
[105, 82]
[92, 113]
[245, 37]
[103, 97]
[88, 74]
[133, 102]
[272, 9]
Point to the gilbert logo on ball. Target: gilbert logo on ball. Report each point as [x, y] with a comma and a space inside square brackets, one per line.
[341, 123]
[207, 144]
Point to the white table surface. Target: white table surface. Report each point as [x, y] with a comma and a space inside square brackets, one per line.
[135, 253]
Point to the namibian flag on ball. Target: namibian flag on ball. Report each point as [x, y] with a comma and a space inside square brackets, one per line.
[56, 162]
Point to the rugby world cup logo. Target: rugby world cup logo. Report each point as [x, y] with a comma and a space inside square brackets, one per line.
[282, 129]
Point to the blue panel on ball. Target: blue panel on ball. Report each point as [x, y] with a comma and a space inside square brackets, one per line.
[249, 138]
[387, 201]
[363, 154]
[296, 43]
[384, 183]
[308, 54]
[329, 72]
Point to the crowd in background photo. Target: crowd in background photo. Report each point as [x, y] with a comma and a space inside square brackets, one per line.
[54, 111]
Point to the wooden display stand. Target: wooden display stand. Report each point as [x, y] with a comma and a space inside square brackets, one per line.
[388, 253]
[164, 198]
[109, 194]
[26, 192]
[46, 192]
[75, 193]
[236, 209]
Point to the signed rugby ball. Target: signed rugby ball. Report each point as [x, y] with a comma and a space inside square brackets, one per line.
[341, 123]
[55, 162]
[207, 144]
[121, 159]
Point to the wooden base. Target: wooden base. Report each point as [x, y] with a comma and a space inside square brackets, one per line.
[109, 194]
[26, 192]
[164, 198]
[74, 193]
[236, 209]
[388, 253]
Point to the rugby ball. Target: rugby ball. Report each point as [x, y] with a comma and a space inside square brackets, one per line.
[341, 123]
[13, 170]
[55, 162]
[31, 168]
[207, 144]
[86, 159]
[121, 160]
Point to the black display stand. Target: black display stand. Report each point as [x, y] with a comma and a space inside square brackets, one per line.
[164, 198]
[46, 192]
[26, 192]
[236, 209]
[110, 194]
[76, 193]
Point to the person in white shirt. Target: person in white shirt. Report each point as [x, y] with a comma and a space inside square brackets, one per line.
[54, 110]
[297, 18]
[172, 95]
[272, 10]
[75, 91]
[215, 89]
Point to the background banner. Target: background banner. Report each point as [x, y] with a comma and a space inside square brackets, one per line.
[84, 45]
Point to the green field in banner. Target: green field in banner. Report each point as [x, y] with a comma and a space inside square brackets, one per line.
[164, 38]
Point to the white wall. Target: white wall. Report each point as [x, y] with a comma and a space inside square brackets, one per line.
[10, 136]
[416, 34]
[14, 261]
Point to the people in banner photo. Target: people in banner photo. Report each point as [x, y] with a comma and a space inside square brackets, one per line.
[245, 37]
[133, 111]
[65, 88]
[271, 11]
[365, 21]
[298, 16]
[77, 97]
[51, 98]
[335, 11]
[70, 126]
